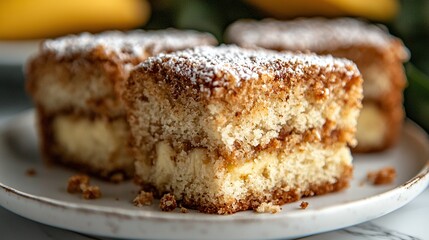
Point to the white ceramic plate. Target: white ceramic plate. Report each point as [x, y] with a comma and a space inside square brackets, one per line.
[43, 197]
[17, 52]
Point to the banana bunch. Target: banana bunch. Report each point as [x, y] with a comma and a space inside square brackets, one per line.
[29, 19]
[378, 10]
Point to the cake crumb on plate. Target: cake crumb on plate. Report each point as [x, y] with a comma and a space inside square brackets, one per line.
[268, 208]
[143, 199]
[303, 205]
[91, 192]
[183, 209]
[382, 176]
[31, 172]
[80, 184]
[168, 203]
[77, 183]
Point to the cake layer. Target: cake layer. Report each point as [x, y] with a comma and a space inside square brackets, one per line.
[378, 55]
[100, 143]
[225, 129]
[200, 181]
[76, 84]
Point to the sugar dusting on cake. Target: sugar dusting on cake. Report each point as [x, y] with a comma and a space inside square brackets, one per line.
[300, 34]
[125, 45]
[226, 65]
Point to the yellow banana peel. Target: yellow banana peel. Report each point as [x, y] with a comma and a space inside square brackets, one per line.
[28, 19]
[378, 10]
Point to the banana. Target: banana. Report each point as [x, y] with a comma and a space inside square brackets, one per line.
[379, 10]
[29, 19]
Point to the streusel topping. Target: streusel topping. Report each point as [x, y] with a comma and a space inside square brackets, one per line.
[135, 43]
[227, 66]
[300, 34]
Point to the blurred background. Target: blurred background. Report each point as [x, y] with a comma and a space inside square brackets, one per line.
[24, 23]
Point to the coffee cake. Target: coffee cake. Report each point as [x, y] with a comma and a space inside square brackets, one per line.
[378, 55]
[225, 129]
[75, 82]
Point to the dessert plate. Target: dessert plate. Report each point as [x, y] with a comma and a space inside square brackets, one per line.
[41, 196]
[17, 52]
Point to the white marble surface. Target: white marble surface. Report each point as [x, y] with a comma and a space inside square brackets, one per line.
[409, 222]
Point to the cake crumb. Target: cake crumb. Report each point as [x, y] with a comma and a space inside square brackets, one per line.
[91, 192]
[183, 209]
[268, 208]
[31, 172]
[80, 184]
[143, 199]
[383, 176]
[117, 177]
[168, 202]
[303, 205]
[77, 183]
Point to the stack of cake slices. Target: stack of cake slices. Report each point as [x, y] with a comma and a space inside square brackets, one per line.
[221, 128]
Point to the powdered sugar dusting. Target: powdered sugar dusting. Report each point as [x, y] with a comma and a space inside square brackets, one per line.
[126, 45]
[209, 67]
[314, 34]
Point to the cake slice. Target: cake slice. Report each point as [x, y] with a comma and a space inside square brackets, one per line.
[378, 55]
[75, 82]
[226, 129]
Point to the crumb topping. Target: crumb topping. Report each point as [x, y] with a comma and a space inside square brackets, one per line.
[77, 183]
[168, 203]
[300, 34]
[143, 199]
[268, 208]
[209, 67]
[303, 205]
[137, 43]
[91, 192]
[80, 184]
[31, 172]
[383, 176]
[183, 209]
[117, 177]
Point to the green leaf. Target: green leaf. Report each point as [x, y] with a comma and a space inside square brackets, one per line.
[416, 96]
